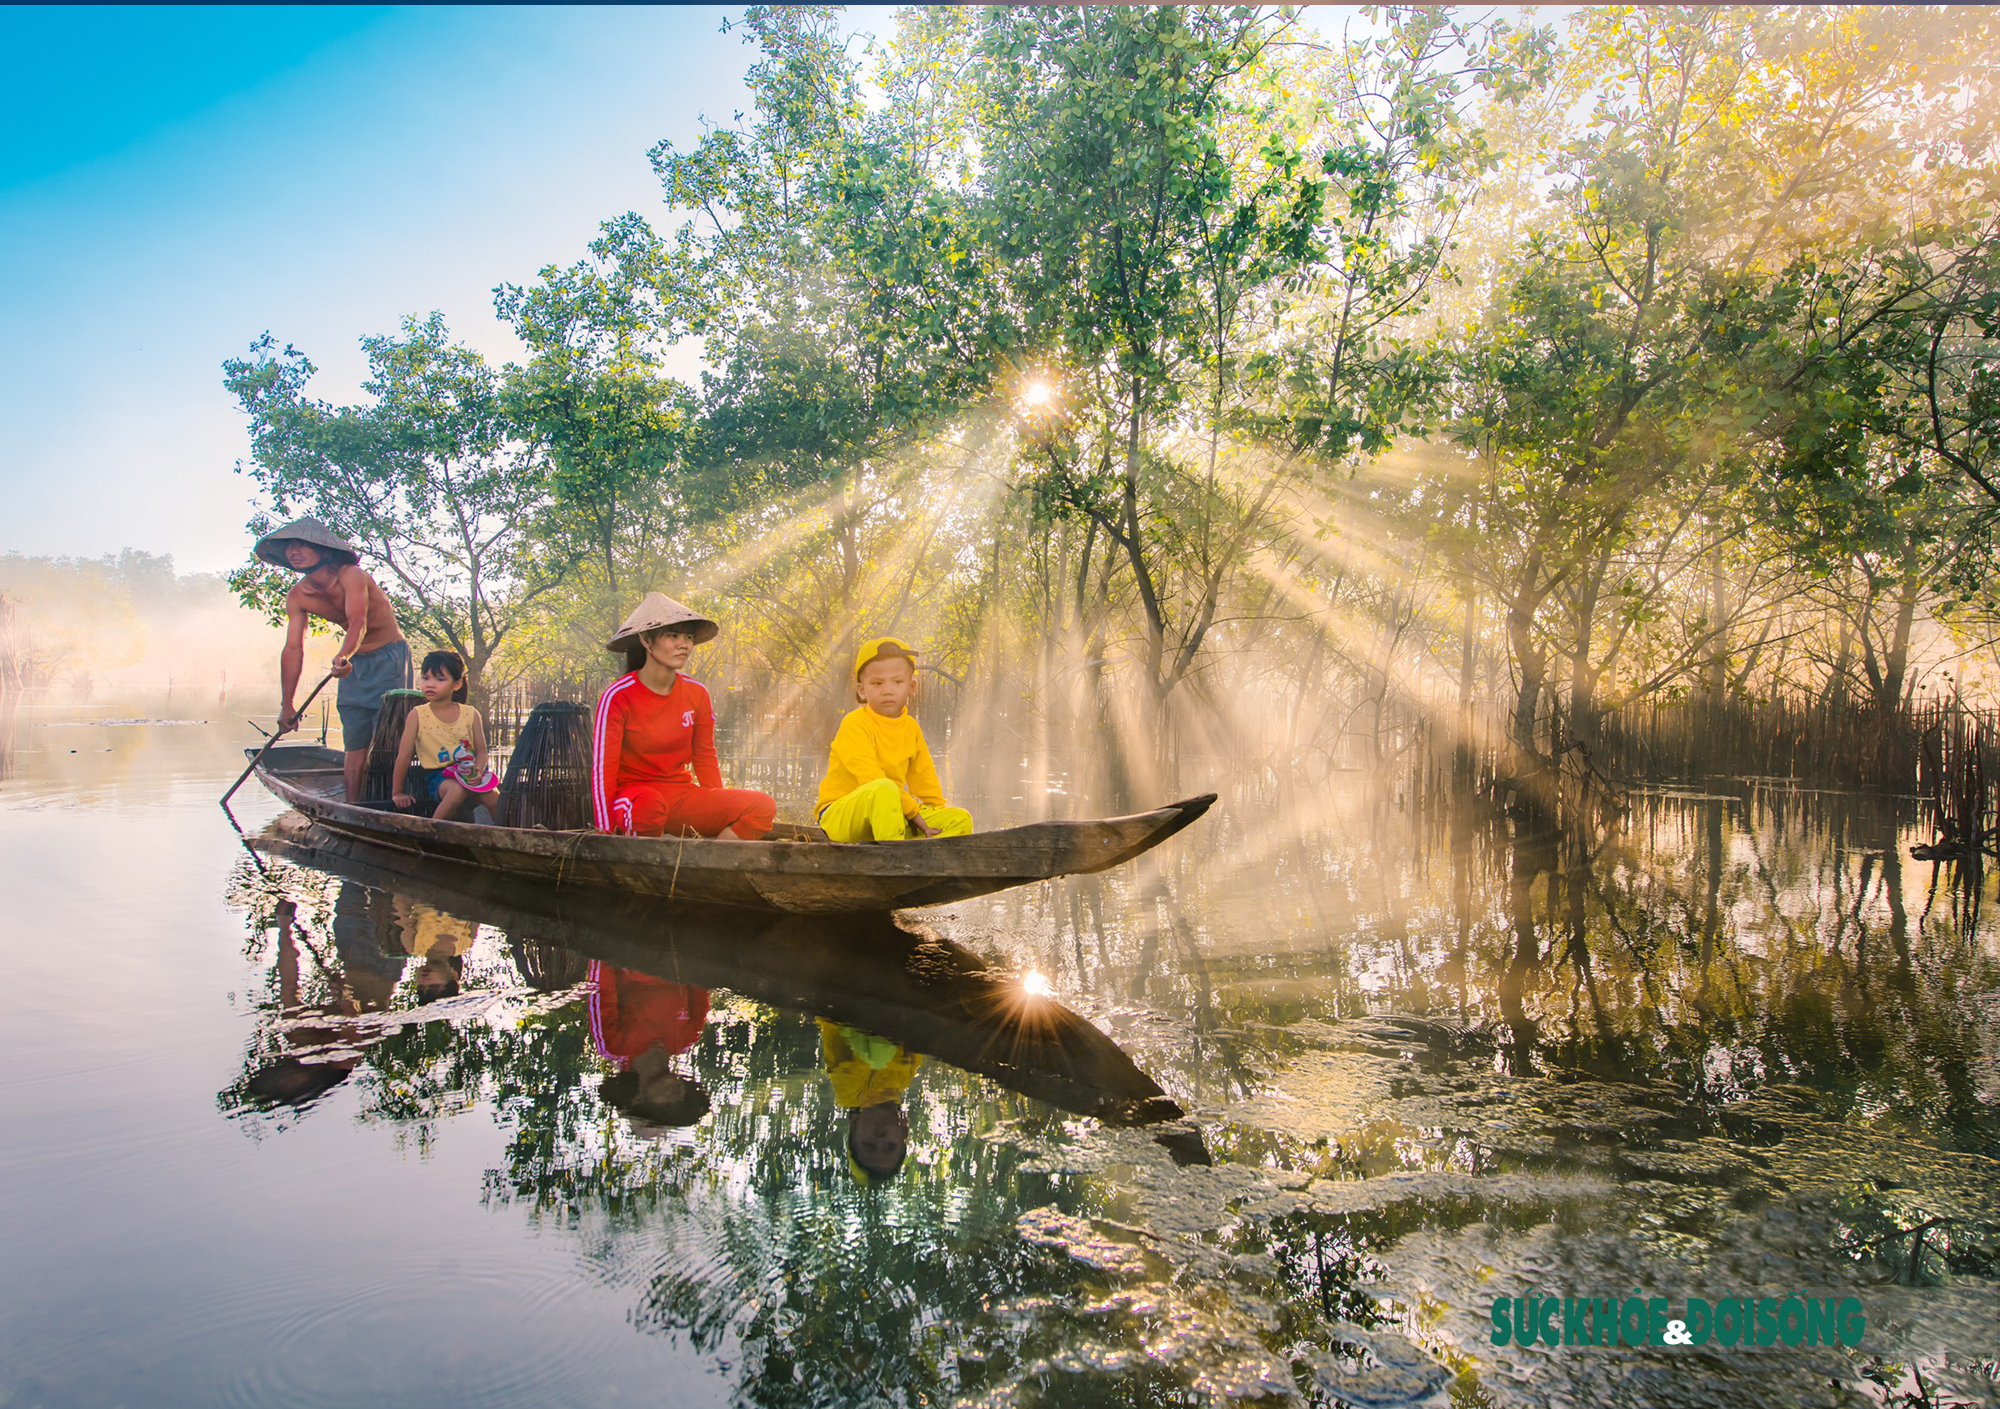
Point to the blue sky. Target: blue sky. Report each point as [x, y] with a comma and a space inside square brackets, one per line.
[173, 182]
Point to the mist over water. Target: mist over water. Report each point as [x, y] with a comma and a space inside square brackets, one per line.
[1748, 1049]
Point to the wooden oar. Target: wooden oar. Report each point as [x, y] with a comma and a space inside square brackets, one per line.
[296, 714]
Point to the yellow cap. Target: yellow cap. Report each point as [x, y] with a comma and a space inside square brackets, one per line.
[877, 647]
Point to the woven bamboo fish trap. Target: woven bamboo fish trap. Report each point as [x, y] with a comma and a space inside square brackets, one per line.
[548, 968]
[381, 771]
[548, 774]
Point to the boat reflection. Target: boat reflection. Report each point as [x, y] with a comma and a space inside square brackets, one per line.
[316, 1045]
[887, 992]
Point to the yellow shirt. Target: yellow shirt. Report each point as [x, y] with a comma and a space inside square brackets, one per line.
[868, 746]
[430, 933]
[865, 1070]
[437, 741]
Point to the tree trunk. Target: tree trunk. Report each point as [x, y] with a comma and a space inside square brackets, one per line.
[1464, 751]
[1156, 623]
[1716, 671]
[1896, 663]
[1582, 675]
[1534, 668]
[1843, 661]
[846, 533]
[1468, 654]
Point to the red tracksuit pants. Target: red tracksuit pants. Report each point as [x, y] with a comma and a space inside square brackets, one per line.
[686, 810]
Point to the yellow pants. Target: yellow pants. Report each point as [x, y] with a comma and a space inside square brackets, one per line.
[874, 811]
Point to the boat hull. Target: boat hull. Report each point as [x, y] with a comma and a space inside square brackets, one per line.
[797, 871]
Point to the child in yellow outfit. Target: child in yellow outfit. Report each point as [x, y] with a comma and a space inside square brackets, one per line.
[880, 783]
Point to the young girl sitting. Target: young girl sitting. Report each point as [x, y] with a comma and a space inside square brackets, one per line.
[446, 739]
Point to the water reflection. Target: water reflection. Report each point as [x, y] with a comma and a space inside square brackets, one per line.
[797, 1139]
[339, 954]
[869, 1075]
[1737, 1046]
[639, 1024]
[1741, 1037]
[439, 942]
[316, 1043]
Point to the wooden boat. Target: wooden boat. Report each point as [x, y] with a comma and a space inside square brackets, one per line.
[899, 980]
[795, 869]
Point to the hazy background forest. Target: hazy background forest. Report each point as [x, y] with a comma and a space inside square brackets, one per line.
[1193, 383]
[129, 622]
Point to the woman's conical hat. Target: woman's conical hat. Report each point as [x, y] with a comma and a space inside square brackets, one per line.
[661, 610]
[271, 547]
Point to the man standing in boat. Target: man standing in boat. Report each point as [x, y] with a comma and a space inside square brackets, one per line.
[373, 659]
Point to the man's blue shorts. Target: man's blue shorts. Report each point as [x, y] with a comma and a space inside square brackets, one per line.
[359, 698]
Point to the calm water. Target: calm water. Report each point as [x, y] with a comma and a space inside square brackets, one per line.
[299, 1135]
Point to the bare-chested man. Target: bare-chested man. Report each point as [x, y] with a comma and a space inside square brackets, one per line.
[373, 659]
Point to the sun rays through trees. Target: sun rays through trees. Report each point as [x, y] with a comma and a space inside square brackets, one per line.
[1196, 384]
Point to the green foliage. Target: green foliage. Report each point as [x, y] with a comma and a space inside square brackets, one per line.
[1675, 385]
[1573, 365]
[592, 404]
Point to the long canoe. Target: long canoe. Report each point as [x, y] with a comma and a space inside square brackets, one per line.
[898, 979]
[796, 869]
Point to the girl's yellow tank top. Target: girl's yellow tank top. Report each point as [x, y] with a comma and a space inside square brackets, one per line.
[437, 741]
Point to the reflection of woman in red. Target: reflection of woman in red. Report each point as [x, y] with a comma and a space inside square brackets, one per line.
[640, 1023]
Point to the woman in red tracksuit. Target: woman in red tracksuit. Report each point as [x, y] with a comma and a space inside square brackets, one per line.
[653, 770]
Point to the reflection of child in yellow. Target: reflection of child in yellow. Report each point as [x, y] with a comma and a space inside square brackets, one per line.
[869, 1076]
[880, 783]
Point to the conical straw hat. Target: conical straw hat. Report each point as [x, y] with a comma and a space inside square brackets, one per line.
[661, 610]
[271, 547]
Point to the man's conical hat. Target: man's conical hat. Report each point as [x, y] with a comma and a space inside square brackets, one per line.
[271, 547]
[661, 610]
